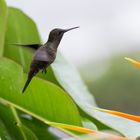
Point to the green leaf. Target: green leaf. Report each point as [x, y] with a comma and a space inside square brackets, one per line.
[21, 29]
[39, 128]
[70, 80]
[88, 124]
[9, 120]
[25, 127]
[126, 127]
[13, 124]
[26, 133]
[3, 132]
[42, 99]
[3, 21]
[29, 134]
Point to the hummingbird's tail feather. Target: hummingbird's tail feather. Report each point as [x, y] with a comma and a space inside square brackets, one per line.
[30, 76]
[26, 84]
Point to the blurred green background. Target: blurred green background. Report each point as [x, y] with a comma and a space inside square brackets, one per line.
[115, 83]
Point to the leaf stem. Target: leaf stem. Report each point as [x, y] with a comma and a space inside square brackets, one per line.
[13, 106]
[18, 121]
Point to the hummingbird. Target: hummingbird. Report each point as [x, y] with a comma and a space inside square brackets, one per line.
[45, 54]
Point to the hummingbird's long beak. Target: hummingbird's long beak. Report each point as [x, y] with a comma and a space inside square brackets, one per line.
[70, 29]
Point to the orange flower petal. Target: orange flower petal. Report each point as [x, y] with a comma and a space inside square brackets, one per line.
[89, 131]
[121, 114]
[133, 62]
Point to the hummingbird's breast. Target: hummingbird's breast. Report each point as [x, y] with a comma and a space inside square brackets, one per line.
[51, 52]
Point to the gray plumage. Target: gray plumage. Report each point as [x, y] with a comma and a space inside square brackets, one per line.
[45, 54]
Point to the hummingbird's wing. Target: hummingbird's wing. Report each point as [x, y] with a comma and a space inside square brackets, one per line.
[33, 46]
[42, 55]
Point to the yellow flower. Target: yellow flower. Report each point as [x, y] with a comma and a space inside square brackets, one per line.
[133, 62]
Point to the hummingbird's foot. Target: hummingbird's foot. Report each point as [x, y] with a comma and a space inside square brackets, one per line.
[44, 71]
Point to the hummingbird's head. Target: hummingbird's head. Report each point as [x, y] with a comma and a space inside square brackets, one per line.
[57, 34]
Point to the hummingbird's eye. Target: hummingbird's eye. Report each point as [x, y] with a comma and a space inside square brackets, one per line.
[58, 33]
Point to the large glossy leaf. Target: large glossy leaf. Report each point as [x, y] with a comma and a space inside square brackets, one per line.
[44, 131]
[3, 132]
[18, 32]
[72, 83]
[41, 130]
[28, 134]
[22, 126]
[42, 99]
[21, 29]
[88, 124]
[3, 21]
[10, 120]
